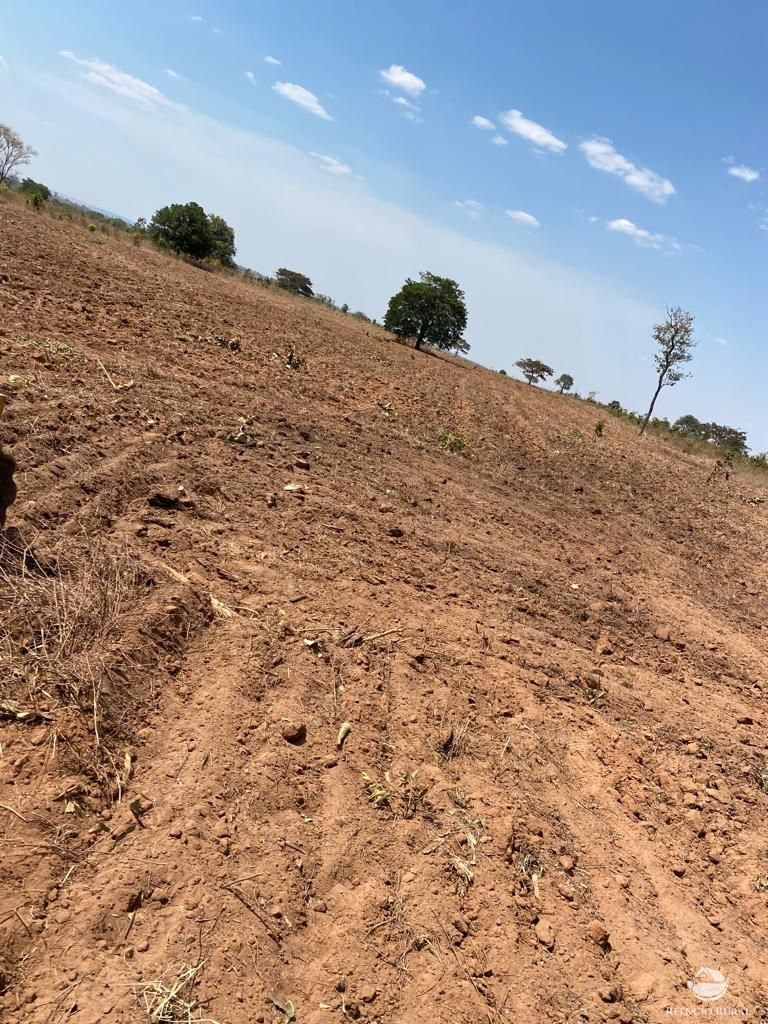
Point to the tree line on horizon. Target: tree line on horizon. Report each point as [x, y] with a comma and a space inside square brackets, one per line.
[431, 312]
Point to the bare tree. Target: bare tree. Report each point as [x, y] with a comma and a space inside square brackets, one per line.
[674, 337]
[13, 152]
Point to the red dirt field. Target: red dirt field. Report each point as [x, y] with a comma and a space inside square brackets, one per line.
[551, 651]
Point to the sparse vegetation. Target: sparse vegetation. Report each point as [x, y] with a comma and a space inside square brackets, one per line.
[564, 382]
[675, 343]
[431, 311]
[453, 442]
[534, 370]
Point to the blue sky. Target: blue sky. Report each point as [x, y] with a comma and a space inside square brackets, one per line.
[576, 167]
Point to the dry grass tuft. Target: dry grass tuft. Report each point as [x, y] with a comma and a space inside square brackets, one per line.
[171, 999]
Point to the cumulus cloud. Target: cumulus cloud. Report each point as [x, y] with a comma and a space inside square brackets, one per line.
[402, 101]
[472, 207]
[250, 76]
[303, 98]
[521, 217]
[272, 60]
[499, 140]
[110, 77]
[332, 164]
[196, 17]
[171, 73]
[399, 78]
[642, 236]
[483, 123]
[743, 172]
[537, 134]
[601, 154]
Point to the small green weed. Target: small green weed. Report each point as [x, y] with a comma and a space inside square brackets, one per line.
[452, 442]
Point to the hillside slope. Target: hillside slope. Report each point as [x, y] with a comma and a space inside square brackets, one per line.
[550, 648]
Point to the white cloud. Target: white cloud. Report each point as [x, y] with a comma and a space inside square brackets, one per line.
[643, 237]
[397, 76]
[720, 341]
[272, 60]
[472, 207]
[250, 76]
[521, 217]
[216, 31]
[743, 172]
[541, 137]
[110, 77]
[499, 140]
[601, 154]
[303, 98]
[4, 64]
[332, 164]
[483, 123]
[196, 17]
[172, 74]
[401, 101]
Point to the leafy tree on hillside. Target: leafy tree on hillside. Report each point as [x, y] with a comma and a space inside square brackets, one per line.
[294, 282]
[689, 426]
[13, 152]
[564, 382]
[223, 240]
[674, 337]
[730, 438]
[431, 310]
[29, 186]
[534, 370]
[183, 228]
[187, 229]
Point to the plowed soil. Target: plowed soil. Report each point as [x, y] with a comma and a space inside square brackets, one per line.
[237, 528]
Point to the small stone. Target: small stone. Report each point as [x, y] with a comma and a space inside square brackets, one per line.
[567, 863]
[368, 994]
[386, 508]
[610, 994]
[690, 800]
[301, 464]
[143, 946]
[565, 892]
[595, 932]
[545, 933]
[461, 925]
[320, 907]
[678, 870]
[692, 748]
[293, 732]
[271, 500]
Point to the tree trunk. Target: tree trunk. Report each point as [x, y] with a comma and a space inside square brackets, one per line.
[648, 415]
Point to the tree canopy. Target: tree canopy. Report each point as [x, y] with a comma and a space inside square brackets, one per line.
[187, 229]
[675, 344]
[729, 438]
[223, 240]
[13, 152]
[30, 186]
[564, 382]
[431, 310]
[534, 370]
[294, 282]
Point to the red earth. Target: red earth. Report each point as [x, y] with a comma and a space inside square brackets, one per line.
[240, 525]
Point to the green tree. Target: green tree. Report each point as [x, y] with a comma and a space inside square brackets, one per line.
[183, 228]
[13, 152]
[689, 426]
[431, 310]
[534, 370]
[223, 237]
[729, 438]
[294, 282]
[29, 186]
[675, 341]
[564, 382]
